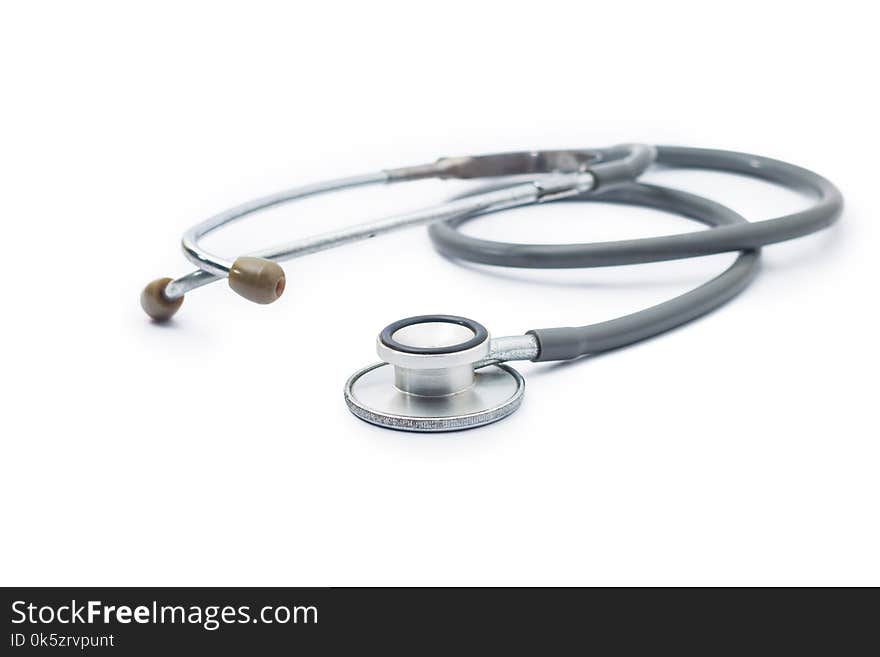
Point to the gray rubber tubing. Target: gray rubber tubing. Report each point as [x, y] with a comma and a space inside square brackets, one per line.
[730, 233]
[450, 242]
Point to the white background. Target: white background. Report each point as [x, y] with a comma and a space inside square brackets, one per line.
[740, 449]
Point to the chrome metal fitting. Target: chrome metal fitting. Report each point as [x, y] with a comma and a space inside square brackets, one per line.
[433, 354]
[500, 164]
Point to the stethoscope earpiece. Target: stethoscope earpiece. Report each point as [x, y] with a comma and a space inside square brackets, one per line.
[156, 304]
[257, 279]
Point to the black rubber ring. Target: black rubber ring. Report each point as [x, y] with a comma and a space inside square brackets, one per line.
[480, 334]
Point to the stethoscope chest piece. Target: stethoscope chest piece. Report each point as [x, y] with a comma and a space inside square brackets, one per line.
[434, 378]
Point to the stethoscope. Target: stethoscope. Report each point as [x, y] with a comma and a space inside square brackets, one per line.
[444, 372]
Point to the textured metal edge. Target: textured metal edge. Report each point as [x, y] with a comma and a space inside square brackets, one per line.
[434, 425]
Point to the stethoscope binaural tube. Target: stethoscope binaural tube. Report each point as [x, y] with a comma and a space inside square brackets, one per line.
[258, 277]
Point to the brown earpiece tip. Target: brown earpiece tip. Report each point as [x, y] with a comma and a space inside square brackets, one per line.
[156, 304]
[257, 279]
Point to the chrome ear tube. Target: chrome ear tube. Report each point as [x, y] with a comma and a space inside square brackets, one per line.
[257, 276]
